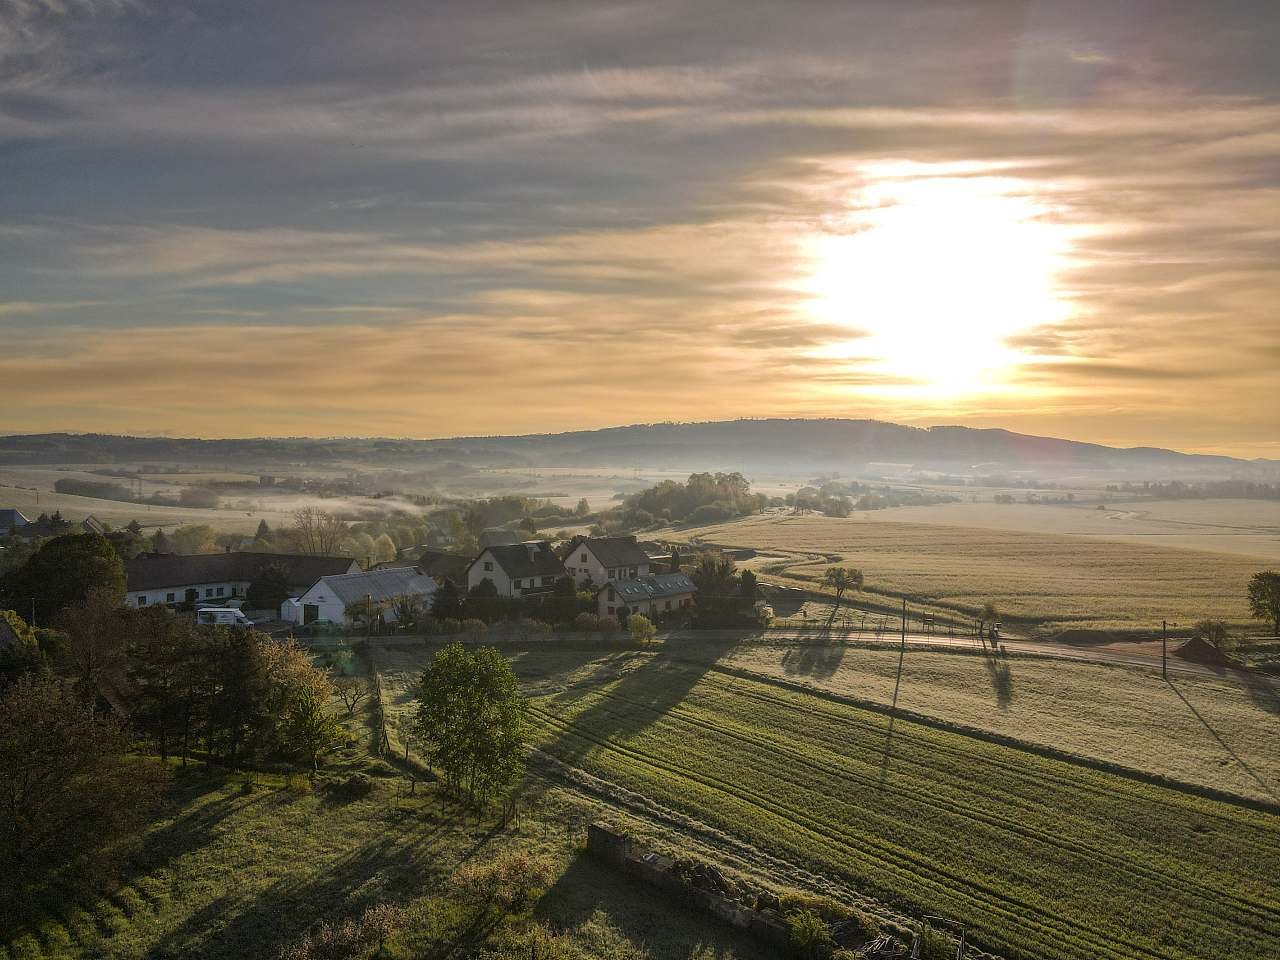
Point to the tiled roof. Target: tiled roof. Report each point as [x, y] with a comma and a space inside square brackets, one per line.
[379, 584]
[616, 551]
[153, 571]
[521, 560]
[653, 587]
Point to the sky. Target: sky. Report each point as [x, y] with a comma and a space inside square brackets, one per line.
[421, 219]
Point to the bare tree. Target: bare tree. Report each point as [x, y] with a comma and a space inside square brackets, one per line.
[352, 690]
[319, 533]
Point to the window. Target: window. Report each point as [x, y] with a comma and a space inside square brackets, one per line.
[547, 581]
[208, 592]
[583, 559]
[610, 611]
[611, 573]
[488, 565]
[142, 601]
[612, 595]
[168, 598]
[668, 606]
[632, 572]
[221, 591]
[517, 583]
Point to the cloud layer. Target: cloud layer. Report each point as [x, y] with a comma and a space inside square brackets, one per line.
[230, 219]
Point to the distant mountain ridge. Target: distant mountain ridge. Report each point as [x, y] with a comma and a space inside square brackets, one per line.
[787, 445]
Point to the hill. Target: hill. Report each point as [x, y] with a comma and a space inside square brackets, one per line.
[775, 445]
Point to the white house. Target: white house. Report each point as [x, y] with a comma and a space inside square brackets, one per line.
[516, 569]
[601, 559]
[654, 596]
[164, 578]
[329, 597]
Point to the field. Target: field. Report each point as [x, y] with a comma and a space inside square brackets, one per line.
[1045, 580]
[1248, 528]
[1040, 856]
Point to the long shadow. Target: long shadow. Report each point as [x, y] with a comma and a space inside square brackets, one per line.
[817, 660]
[654, 922]
[1225, 746]
[893, 715]
[1000, 673]
[1263, 692]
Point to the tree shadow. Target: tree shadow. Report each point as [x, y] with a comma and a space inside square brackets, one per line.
[1263, 692]
[1000, 672]
[817, 660]
[641, 914]
[1266, 788]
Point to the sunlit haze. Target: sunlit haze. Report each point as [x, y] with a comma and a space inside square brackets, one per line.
[1058, 218]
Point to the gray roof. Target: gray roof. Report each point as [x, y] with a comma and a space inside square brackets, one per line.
[12, 518]
[380, 585]
[617, 551]
[152, 571]
[520, 560]
[653, 587]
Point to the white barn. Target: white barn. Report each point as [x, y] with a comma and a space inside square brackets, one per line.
[600, 559]
[329, 597]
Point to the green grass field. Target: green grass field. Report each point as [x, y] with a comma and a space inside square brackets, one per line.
[1040, 857]
[1051, 581]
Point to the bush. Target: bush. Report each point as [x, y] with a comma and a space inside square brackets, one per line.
[586, 622]
[297, 783]
[532, 629]
[508, 880]
[641, 628]
[354, 787]
[350, 938]
[809, 932]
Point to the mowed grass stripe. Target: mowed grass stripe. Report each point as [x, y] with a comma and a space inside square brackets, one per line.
[1049, 931]
[1259, 914]
[1114, 790]
[1244, 912]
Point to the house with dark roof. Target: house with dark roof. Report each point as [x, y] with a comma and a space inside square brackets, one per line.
[330, 597]
[601, 559]
[517, 569]
[441, 565]
[152, 578]
[655, 596]
[11, 521]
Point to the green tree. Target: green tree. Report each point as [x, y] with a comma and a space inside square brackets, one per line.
[842, 579]
[809, 932]
[384, 549]
[61, 573]
[675, 560]
[583, 508]
[71, 788]
[269, 588]
[309, 729]
[748, 586]
[482, 601]
[160, 649]
[563, 604]
[641, 629]
[470, 720]
[96, 629]
[446, 603]
[717, 582]
[160, 542]
[20, 657]
[1264, 597]
[263, 532]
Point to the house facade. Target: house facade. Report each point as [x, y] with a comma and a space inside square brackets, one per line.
[600, 559]
[168, 578]
[656, 595]
[517, 569]
[330, 597]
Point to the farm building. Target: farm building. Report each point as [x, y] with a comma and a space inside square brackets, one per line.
[152, 578]
[517, 569]
[11, 521]
[330, 597]
[654, 596]
[600, 559]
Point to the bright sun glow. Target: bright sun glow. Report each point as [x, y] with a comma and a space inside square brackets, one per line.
[938, 270]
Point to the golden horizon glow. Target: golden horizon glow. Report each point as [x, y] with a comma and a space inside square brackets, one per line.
[933, 269]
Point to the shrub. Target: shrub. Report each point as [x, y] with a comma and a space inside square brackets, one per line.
[809, 932]
[641, 628]
[297, 783]
[354, 787]
[508, 880]
[532, 629]
[586, 622]
[350, 938]
[935, 945]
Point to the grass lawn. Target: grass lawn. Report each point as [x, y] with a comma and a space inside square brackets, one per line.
[1054, 581]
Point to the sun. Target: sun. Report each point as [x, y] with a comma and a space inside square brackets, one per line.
[932, 272]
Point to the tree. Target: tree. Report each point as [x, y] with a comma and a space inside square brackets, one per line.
[841, 579]
[470, 720]
[583, 508]
[366, 611]
[269, 589]
[160, 542]
[309, 729]
[809, 932]
[61, 573]
[319, 533]
[1264, 597]
[446, 603]
[160, 650]
[408, 610]
[641, 629]
[717, 584]
[563, 605]
[482, 600]
[194, 538]
[352, 690]
[263, 531]
[1213, 631]
[384, 549]
[95, 631]
[71, 788]
[21, 656]
[675, 560]
[748, 586]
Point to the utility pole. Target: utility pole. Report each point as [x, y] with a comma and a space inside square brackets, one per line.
[1164, 649]
[904, 621]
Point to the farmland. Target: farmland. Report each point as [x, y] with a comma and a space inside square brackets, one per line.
[1041, 856]
[1049, 581]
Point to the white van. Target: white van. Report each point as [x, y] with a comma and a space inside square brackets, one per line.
[222, 617]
